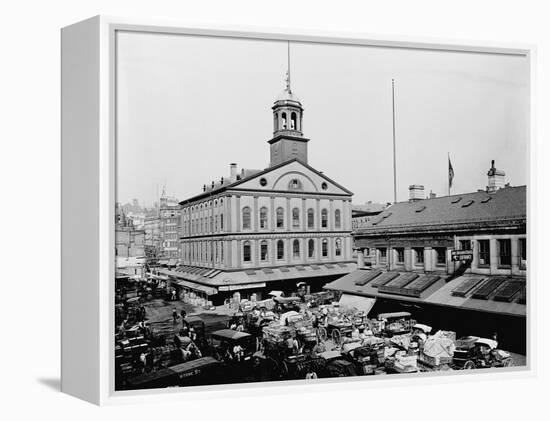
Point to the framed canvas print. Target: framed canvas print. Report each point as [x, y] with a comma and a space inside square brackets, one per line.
[245, 210]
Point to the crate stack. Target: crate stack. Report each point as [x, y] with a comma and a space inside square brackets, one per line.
[304, 329]
[278, 334]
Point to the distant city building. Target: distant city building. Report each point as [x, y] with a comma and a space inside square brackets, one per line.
[256, 230]
[362, 214]
[129, 245]
[151, 226]
[169, 228]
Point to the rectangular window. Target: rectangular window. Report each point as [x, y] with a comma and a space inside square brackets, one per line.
[465, 245]
[522, 245]
[441, 255]
[419, 256]
[504, 252]
[484, 252]
[400, 251]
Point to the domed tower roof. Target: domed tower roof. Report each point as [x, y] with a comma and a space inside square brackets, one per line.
[287, 95]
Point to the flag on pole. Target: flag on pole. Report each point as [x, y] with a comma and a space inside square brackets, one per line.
[451, 173]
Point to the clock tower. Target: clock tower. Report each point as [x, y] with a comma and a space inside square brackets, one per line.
[288, 140]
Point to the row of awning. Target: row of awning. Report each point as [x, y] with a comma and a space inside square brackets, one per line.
[494, 294]
[211, 280]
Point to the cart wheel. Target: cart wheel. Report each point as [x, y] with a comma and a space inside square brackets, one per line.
[274, 365]
[285, 369]
[322, 333]
[508, 362]
[469, 365]
[336, 336]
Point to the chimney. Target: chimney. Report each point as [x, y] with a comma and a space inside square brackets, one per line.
[496, 179]
[416, 192]
[233, 172]
[432, 195]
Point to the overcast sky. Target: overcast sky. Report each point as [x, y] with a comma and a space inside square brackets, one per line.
[188, 106]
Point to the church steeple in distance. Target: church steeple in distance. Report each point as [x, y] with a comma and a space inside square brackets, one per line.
[288, 140]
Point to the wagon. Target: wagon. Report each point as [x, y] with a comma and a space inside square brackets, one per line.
[336, 329]
[297, 366]
[284, 304]
[396, 323]
[474, 352]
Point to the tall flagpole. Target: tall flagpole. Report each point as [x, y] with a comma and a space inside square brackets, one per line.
[394, 163]
[448, 173]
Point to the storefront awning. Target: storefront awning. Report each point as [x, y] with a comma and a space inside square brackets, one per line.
[357, 302]
[196, 287]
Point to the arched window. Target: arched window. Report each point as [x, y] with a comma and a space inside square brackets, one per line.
[293, 121]
[263, 218]
[283, 121]
[280, 249]
[280, 218]
[310, 248]
[263, 251]
[310, 218]
[337, 219]
[295, 218]
[246, 251]
[324, 218]
[296, 249]
[338, 247]
[324, 247]
[295, 184]
[246, 218]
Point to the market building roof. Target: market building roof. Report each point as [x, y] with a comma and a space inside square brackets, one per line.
[506, 205]
[210, 281]
[493, 294]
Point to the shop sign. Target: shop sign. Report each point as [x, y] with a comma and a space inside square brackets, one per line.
[462, 255]
[241, 286]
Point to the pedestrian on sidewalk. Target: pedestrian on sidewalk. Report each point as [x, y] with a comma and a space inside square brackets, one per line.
[183, 314]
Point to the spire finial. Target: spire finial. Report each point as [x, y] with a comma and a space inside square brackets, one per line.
[287, 79]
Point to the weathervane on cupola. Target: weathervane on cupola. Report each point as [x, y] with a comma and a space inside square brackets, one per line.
[288, 140]
[287, 79]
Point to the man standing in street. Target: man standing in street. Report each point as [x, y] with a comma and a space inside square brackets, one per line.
[175, 315]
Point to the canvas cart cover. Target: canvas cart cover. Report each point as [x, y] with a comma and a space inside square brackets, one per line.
[439, 346]
[350, 302]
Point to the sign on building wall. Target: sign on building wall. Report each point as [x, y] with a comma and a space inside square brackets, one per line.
[462, 255]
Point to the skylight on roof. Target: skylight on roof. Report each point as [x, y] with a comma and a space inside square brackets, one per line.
[420, 209]
[386, 215]
[468, 203]
[486, 199]
[458, 199]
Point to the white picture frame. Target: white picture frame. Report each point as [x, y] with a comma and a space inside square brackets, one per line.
[88, 198]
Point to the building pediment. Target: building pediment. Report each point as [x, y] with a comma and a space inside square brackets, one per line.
[292, 176]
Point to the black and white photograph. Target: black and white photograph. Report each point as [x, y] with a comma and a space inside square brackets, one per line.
[291, 210]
